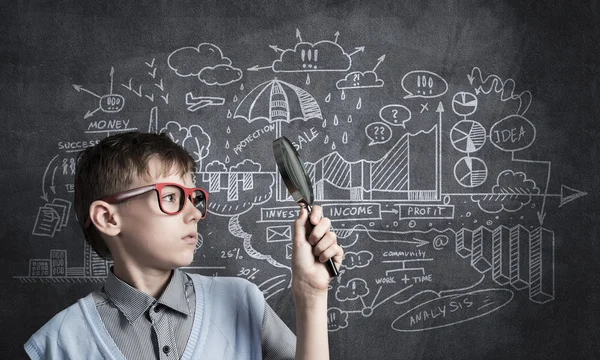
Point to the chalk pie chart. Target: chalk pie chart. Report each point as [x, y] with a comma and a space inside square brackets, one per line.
[470, 171]
[464, 103]
[467, 136]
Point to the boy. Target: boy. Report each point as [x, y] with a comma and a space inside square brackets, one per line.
[137, 204]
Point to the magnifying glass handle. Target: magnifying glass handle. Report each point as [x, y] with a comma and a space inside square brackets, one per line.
[333, 271]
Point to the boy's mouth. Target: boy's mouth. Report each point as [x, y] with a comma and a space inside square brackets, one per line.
[191, 236]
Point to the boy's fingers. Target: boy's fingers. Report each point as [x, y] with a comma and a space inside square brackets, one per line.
[300, 226]
[316, 214]
[334, 251]
[325, 242]
[320, 229]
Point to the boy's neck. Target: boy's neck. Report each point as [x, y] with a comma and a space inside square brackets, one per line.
[152, 282]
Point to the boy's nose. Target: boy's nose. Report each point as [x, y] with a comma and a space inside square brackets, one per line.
[196, 214]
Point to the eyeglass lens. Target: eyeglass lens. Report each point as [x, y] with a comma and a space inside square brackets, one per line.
[173, 199]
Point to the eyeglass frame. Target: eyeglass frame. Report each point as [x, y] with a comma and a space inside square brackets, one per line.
[131, 193]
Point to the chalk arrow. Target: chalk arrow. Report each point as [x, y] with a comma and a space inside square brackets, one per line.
[44, 193]
[128, 87]
[80, 88]
[90, 113]
[471, 78]
[357, 50]
[298, 35]
[256, 68]
[275, 48]
[138, 93]
[337, 34]
[152, 63]
[568, 194]
[541, 216]
[440, 108]
[160, 85]
[379, 61]
[419, 242]
[394, 211]
[112, 73]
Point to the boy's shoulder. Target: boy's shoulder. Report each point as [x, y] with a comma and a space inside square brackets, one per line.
[218, 285]
[58, 334]
[66, 319]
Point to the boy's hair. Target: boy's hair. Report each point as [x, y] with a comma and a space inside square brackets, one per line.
[110, 167]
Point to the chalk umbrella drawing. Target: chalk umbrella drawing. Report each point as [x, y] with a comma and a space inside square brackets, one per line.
[278, 101]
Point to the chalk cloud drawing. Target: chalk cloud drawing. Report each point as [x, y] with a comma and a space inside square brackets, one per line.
[511, 192]
[324, 55]
[206, 62]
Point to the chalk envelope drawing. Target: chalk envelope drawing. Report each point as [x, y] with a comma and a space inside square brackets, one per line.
[279, 233]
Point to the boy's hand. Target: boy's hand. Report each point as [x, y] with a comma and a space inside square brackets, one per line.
[310, 276]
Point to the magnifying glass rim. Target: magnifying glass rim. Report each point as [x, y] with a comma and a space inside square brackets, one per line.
[280, 147]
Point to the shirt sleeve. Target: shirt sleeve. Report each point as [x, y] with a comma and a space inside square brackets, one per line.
[278, 341]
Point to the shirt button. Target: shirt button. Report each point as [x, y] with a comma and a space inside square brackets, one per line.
[157, 308]
[166, 349]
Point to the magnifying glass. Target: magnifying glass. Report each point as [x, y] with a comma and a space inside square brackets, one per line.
[296, 180]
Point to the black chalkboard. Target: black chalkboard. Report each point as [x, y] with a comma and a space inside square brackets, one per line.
[454, 145]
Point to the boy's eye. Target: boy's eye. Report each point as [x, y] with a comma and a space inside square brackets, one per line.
[170, 197]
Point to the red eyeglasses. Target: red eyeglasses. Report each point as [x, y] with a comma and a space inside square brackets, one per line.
[171, 198]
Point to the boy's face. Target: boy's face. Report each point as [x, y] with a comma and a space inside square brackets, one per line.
[151, 239]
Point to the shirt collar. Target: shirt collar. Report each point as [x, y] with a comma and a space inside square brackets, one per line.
[133, 302]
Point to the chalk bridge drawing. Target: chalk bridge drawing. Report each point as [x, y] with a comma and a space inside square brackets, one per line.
[206, 62]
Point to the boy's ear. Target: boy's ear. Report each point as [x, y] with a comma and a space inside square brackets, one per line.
[105, 218]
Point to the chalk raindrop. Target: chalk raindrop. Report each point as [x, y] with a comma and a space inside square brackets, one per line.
[359, 104]
[229, 114]
[307, 79]
[328, 98]
[343, 97]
